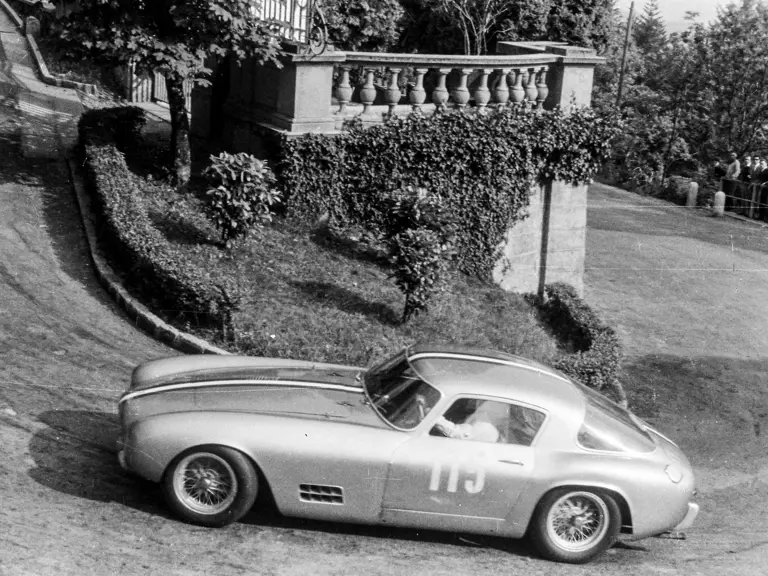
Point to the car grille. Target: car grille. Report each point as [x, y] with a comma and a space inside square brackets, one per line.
[321, 494]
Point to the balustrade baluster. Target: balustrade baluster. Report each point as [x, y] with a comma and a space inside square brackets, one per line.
[531, 92]
[482, 93]
[368, 91]
[392, 93]
[501, 89]
[542, 87]
[417, 96]
[440, 93]
[518, 92]
[344, 89]
[460, 93]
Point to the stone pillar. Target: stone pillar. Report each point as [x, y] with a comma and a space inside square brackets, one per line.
[549, 245]
[293, 99]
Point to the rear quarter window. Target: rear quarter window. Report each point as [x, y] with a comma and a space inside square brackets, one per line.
[611, 432]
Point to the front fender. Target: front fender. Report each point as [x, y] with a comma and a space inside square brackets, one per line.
[150, 445]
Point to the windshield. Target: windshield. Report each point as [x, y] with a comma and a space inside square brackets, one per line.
[398, 394]
[609, 427]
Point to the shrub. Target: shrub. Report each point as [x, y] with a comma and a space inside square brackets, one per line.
[241, 194]
[153, 268]
[597, 357]
[418, 234]
[483, 165]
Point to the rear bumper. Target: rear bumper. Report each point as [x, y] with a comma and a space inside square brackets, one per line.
[690, 517]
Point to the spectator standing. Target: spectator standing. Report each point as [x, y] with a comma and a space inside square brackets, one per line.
[746, 169]
[731, 180]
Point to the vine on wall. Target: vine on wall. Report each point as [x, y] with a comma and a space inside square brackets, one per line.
[482, 166]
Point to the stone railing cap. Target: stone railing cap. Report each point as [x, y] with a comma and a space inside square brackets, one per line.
[450, 60]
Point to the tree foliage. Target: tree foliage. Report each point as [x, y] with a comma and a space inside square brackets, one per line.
[174, 37]
[694, 97]
[474, 26]
[649, 31]
[363, 25]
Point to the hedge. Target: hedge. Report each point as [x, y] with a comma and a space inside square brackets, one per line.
[597, 357]
[154, 269]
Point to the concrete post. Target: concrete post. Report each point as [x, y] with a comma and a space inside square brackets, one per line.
[693, 193]
[719, 207]
[293, 99]
[32, 26]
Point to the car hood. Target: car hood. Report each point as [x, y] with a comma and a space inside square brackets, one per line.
[248, 384]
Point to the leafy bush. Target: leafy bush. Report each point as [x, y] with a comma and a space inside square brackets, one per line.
[597, 357]
[241, 194]
[153, 268]
[418, 235]
[484, 167]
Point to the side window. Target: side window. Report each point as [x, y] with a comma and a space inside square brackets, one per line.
[481, 420]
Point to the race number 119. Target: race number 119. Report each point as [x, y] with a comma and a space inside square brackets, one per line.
[473, 476]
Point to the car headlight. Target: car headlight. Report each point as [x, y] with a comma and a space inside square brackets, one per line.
[674, 473]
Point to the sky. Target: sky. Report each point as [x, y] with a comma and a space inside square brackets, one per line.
[673, 11]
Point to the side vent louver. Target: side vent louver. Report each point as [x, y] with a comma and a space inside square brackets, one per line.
[321, 494]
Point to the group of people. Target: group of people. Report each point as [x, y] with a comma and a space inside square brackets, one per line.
[744, 183]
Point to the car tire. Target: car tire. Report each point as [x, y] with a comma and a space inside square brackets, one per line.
[575, 525]
[211, 485]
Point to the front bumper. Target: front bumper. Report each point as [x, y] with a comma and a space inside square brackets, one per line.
[690, 517]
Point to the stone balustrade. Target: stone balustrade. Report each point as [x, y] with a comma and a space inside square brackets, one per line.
[320, 92]
[390, 84]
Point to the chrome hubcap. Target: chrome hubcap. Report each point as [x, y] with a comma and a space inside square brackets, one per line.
[578, 521]
[205, 483]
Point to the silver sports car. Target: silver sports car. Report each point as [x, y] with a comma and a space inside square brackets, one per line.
[434, 438]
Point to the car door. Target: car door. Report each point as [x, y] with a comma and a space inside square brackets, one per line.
[459, 484]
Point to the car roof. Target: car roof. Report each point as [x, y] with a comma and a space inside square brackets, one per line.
[458, 370]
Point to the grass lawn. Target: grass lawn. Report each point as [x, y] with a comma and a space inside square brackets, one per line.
[309, 296]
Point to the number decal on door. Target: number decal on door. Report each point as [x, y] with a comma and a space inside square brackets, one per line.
[473, 475]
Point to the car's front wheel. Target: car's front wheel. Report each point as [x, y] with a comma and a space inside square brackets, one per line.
[211, 485]
[573, 525]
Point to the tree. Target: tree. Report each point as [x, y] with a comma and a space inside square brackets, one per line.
[649, 31]
[363, 25]
[476, 19]
[174, 37]
[735, 53]
[480, 23]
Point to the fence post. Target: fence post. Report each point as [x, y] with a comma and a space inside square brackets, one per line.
[719, 207]
[693, 192]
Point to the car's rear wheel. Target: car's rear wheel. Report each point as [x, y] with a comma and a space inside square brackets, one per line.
[211, 485]
[574, 525]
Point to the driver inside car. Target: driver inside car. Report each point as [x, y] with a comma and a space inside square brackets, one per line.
[482, 425]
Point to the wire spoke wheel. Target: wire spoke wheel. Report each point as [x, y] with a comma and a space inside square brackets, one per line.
[578, 521]
[205, 483]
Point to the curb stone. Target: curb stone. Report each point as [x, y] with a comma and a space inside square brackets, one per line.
[45, 75]
[140, 314]
[49, 78]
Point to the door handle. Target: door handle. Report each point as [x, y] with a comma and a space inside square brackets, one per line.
[513, 462]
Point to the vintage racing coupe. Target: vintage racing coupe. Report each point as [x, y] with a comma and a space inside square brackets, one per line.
[440, 438]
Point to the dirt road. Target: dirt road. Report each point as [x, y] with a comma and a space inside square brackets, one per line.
[66, 508]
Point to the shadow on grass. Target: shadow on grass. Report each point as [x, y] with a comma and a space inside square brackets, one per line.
[347, 301]
[730, 392]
